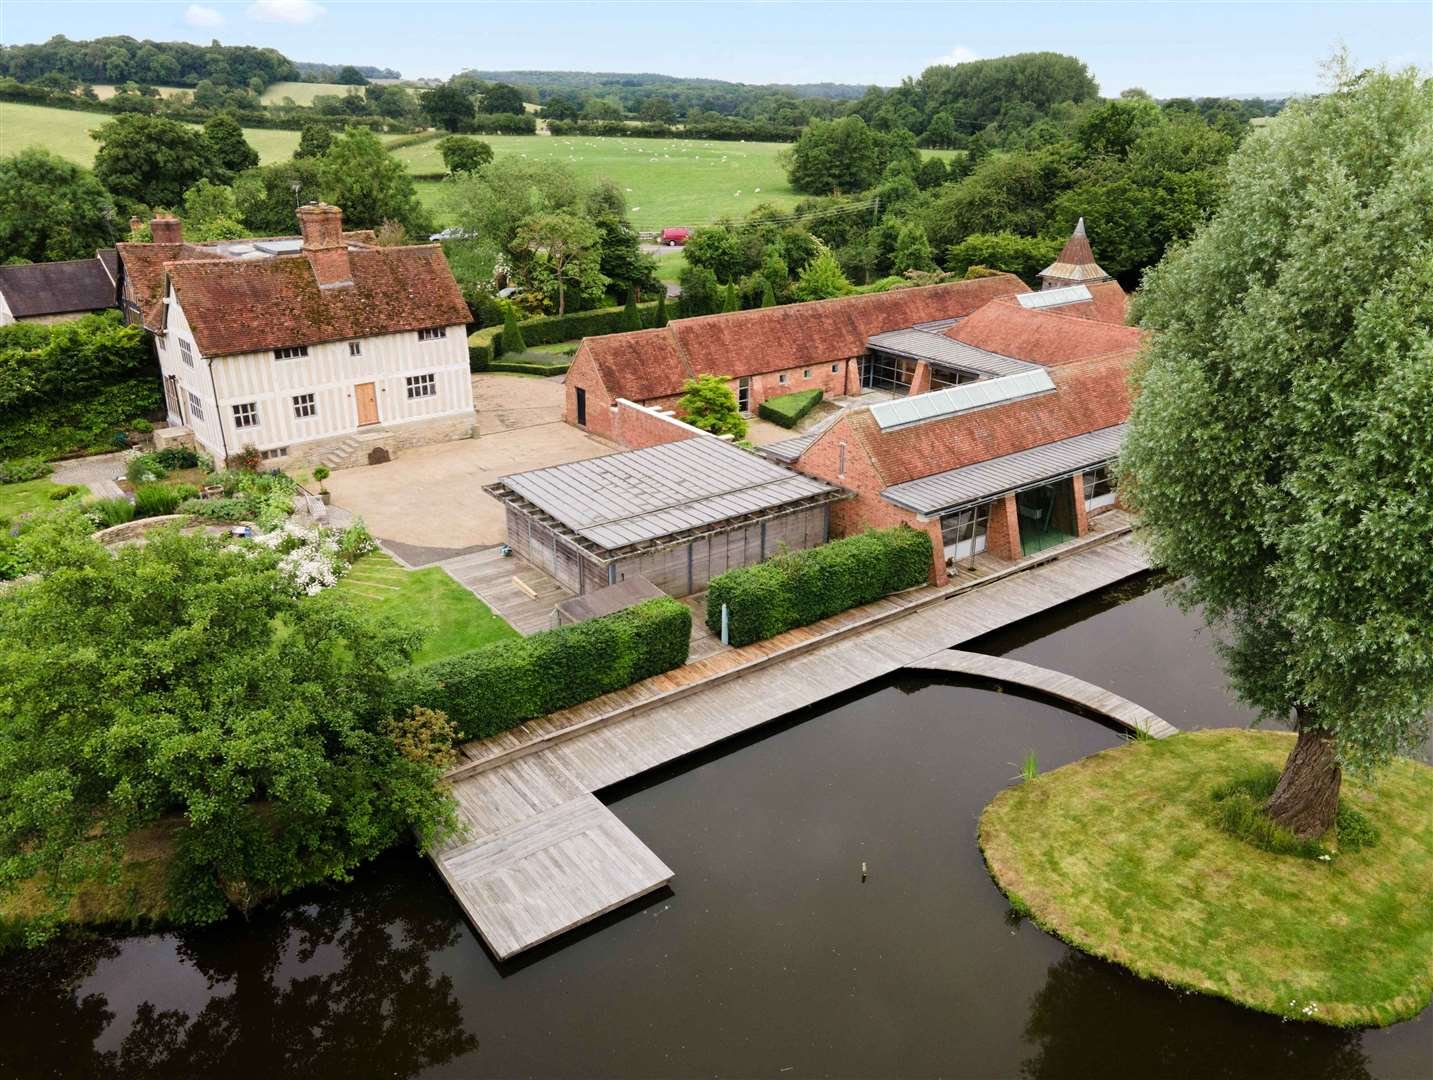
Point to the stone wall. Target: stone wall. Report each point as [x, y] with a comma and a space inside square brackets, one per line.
[133, 530]
[393, 439]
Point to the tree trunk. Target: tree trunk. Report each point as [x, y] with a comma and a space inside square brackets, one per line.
[1306, 798]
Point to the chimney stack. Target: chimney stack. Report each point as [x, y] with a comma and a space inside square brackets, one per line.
[322, 227]
[135, 222]
[166, 230]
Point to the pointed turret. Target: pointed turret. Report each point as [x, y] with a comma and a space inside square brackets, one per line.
[1076, 264]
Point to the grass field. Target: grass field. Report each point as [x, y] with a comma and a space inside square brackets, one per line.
[456, 619]
[1121, 855]
[104, 91]
[666, 181]
[303, 93]
[66, 132]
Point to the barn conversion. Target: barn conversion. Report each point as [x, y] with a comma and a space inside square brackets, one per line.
[676, 513]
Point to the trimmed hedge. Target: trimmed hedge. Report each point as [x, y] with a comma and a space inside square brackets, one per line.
[497, 687]
[804, 587]
[557, 366]
[788, 409]
[486, 345]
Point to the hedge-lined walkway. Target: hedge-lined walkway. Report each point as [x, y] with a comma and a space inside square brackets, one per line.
[840, 652]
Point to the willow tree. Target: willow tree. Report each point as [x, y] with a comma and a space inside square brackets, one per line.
[1281, 446]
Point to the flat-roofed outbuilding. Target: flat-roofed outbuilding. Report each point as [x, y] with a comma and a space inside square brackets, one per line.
[678, 514]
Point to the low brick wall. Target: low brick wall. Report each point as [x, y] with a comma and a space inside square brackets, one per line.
[133, 530]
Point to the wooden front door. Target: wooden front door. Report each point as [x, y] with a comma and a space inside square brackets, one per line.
[367, 400]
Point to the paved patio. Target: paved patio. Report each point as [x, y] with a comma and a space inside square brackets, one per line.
[432, 497]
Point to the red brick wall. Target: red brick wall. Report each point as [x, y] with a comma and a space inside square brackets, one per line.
[867, 509]
[769, 385]
[584, 375]
[636, 427]
[920, 380]
[1002, 538]
[1082, 517]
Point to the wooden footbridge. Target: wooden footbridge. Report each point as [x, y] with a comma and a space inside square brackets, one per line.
[542, 855]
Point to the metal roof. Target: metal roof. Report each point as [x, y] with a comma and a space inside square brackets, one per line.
[946, 352]
[984, 479]
[963, 398]
[643, 495]
[1048, 298]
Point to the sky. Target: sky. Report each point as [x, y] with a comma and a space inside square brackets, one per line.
[1176, 48]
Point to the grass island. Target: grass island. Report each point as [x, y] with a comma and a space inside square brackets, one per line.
[1121, 855]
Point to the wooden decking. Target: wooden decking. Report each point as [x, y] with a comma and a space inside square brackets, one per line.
[490, 577]
[1135, 718]
[523, 874]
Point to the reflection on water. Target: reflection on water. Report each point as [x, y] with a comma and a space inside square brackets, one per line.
[770, 956]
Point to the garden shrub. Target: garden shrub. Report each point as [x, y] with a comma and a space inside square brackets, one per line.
[533, 367]
[788, 409]
[21, 469]
[225, 510]
[802, 587]
[1239, 811]
[65, 491]
[155, 500]
[108, 512]
[355, 542]
[145, 469]
[497, 687]
[176, 457]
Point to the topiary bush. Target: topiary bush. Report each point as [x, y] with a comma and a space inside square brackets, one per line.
[788, 409]
[499, 686]
[803, 587]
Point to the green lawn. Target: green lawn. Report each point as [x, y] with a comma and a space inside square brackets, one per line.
[1120, 855]
[16, 499]
[66, 132]
[456, 619]
[670, 267]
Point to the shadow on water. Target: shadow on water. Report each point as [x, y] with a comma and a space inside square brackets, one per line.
[335, 982]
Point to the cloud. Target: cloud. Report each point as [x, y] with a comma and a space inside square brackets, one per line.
[198, 15]
[958, 55]
[286, 11]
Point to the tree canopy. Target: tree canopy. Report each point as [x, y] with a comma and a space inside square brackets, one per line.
[464, 154]
[151, 160]
[51, 209]
[370, 184]
[1280, 448]
[708, 403]
[183, 682]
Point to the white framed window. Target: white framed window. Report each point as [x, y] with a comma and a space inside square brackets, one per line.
[292, 352]
[185, 352]
[836, 367]
[806, 374]
[276, 452]
[246, 414]
[196, 405]
[422, 385]
[1100, 486]
[781, 379]
[355, 348]
[305, 406]
[428, 333]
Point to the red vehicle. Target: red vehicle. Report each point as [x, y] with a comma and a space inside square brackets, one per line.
[676, 237]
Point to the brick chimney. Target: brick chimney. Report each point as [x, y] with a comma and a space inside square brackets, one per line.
[166, 230]
[322, 227]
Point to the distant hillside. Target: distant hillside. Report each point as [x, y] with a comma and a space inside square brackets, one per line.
[315, 72]
[600, 82]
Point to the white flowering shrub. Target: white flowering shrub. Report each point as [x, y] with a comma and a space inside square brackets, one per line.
[308, 557]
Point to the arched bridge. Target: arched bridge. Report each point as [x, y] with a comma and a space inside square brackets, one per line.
[1055, 684]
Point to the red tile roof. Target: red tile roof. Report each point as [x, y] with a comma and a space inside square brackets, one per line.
[143, 268]
[1088, 396]
[640, 366]
[1042, 336]
[1076, 262]
[237, 306]
[1110, 304]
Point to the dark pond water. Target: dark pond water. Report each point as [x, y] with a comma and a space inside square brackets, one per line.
[770, 957]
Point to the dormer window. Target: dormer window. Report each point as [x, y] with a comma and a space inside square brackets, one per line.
[293, 352]
[428, 333]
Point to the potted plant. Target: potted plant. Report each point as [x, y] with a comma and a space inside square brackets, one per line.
[321, 473]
